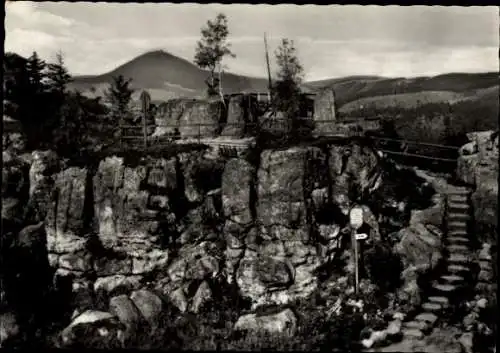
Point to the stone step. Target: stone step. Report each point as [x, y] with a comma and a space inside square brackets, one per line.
[432, 307]
[457, 240]
[458, 216]
[458, 206]
[416, 325]
[427, 317]
[452, 279]
[457, 225]
[445, 289]
[413, 333]
[457, 248]
[458, 269]
[457, 232]
[456, 189]
[440, 300]
[462, 198]
[458, 258]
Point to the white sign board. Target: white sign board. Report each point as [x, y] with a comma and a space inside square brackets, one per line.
[356, 217]
[361, 236]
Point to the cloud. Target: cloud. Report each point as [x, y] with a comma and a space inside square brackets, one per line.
[332, 41]
[28, 12]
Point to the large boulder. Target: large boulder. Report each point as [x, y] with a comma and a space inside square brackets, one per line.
[93, 329]
[149, 305]
[128, 314]
[283, 322]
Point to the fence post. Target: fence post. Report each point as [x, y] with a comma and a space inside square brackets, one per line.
[199, 132]
[146, 100]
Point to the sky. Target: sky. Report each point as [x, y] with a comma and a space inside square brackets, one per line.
[331, 40]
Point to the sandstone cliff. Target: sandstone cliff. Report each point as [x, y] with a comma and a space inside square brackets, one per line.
[266, 223]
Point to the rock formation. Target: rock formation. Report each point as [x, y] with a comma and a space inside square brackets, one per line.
[325, 110]
[241, 116]
[478, 167]
[128, 238]
[176, 116]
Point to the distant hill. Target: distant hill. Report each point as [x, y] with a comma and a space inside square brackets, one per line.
[411, 100]
[167, 76]
[356, 91]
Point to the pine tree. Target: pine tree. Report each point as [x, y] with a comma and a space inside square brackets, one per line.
[36, 71]
[58, 76]
[119, 95]
[286, 91]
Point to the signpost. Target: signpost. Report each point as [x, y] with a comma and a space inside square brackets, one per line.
[361, 236]
[356, 221]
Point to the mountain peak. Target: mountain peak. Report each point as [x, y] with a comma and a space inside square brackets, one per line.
[157, 52]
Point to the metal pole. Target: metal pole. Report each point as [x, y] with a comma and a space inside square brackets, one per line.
[269, 83]
[145, 129]
[356, 269]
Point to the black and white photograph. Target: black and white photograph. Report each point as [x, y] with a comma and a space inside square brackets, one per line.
[219, 177]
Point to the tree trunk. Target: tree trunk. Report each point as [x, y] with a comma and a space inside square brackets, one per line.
[220, 85]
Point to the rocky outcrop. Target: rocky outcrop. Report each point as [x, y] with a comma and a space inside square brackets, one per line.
[127, 222]
[129, 216]
[355, 172]
[420, 246]
[238, 200]
[325, 111]
[189, 118]
[280, 257]
[24, 268]
[241, 116]
[174, 224]
[66, 213]
[478, 166]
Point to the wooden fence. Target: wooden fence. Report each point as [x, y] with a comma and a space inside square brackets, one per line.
[273, 131]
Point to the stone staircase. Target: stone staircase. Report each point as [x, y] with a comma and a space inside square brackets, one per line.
[456, 278]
